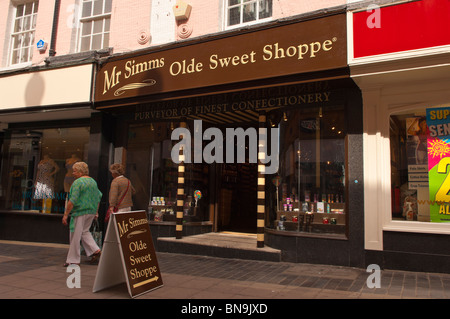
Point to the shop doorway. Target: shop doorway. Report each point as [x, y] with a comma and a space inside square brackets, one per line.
[237, 197]
[237, 192]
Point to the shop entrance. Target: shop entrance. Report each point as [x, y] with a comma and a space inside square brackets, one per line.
[237, 194]
[237, 197]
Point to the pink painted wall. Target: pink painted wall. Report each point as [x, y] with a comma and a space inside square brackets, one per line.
[4, 7]
[44, 29]
[287, 8]
[205, 18]
[131, 20]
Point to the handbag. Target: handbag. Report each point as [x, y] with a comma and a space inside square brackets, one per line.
[97, 233]
[114, 209]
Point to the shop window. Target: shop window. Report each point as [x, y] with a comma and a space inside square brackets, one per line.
[307, 195]
[36, 168]
[95, 24]
[22, 35]
[155, 176]
[242, 12]
[420, 158]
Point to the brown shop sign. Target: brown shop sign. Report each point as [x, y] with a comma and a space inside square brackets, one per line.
[139, 257]
[306, 46]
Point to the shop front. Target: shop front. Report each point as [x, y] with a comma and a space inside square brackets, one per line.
[256, 131]
[406, 103]
[47, 126]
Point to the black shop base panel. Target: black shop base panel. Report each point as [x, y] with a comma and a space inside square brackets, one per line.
[33, 227]
[412, 252]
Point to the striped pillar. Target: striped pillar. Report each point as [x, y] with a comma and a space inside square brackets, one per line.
[261, 205]
[180, 193]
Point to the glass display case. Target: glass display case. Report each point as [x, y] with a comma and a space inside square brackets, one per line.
[308, 192]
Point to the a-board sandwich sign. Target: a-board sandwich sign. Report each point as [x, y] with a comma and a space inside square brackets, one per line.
[128, 255]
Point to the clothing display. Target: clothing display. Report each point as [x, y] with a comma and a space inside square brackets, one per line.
[44, 187]
[69, 178]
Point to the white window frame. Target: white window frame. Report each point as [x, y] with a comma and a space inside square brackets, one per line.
[382, 100]
[242, 4]
[389, 224]
[92, 18]
[31, 31]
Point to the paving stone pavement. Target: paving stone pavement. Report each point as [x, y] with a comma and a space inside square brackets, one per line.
[34, 271]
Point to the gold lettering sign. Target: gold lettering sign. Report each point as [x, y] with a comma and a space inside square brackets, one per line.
[316, 93]
[295, 48]
[139, 256]
[254, 105]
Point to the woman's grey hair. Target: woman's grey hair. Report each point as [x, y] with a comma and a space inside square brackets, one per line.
[117, 168]
[81, 167]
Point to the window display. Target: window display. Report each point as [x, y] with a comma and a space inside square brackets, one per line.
[44, 187]
[308, 192]
[420, 155]
[155, 175]
[36, 168]
[151, 170]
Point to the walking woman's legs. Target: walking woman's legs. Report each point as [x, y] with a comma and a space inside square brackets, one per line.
[73, 256]
[83, 235]
[88, 242]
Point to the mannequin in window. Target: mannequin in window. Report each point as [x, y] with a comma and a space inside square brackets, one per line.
[419, 129]
[69, 178]
[45, 182]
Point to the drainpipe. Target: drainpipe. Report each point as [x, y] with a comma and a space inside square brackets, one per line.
[52, 51]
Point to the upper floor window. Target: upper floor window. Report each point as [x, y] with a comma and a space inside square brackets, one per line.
[95, 24]
[240, 12]
[22, 35]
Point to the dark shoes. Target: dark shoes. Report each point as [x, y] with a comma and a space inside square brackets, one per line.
[68, 264]
[95, 257]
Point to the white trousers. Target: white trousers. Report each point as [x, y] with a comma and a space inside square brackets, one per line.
[83, 235]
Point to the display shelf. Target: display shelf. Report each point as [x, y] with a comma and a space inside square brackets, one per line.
[167, 213]
[167, 217]
[162, 206]
[299, 208]
[162, 212]
[318, 217]
[311, 220]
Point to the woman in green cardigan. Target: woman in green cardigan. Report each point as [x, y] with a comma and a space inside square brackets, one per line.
[84, 200]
